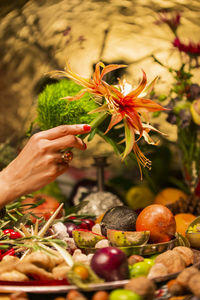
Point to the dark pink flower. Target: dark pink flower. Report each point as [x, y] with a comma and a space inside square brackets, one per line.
[171, 19]
[67, 31]
[191, 49]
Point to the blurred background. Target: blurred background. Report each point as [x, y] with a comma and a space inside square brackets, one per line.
[39, 36]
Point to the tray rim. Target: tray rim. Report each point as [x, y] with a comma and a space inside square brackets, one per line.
[61, 288]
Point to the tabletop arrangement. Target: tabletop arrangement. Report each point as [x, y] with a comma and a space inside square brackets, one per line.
[142, 248]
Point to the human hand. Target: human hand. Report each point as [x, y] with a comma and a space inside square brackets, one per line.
[40, 161]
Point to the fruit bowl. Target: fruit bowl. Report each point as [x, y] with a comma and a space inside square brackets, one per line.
[193, 237]
[148, 249]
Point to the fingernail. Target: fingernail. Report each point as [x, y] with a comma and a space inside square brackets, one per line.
[87, 127]
[85, 146]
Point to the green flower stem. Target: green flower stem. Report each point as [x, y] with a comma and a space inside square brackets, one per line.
[95, 123]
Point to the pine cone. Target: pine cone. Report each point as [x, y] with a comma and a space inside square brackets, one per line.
[189, 205]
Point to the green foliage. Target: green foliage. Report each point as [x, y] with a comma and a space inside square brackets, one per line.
[54, 111]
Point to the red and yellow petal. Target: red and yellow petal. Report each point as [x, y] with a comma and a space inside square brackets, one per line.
[115, 119]
[139, 89]
[147, 105]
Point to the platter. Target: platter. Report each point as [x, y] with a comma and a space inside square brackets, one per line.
[62, 286]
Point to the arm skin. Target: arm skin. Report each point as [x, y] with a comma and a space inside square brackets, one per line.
[39, 162]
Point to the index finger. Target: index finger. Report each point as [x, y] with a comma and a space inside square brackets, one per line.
[64, 130]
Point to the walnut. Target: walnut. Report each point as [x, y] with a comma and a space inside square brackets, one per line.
[172, 261]
[176, 289]
[142, 286]
[186, 254]
[185, 275]
[194, 284]
[157, 270]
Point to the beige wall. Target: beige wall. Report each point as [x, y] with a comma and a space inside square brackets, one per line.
[34, 39]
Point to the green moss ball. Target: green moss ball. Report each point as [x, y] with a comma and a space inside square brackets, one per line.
[53, 111]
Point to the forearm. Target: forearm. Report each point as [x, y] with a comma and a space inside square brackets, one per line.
[9, 190]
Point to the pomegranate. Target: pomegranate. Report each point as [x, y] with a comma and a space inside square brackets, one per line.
[159, 220]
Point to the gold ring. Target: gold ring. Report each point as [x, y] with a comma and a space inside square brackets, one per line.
[67, 156]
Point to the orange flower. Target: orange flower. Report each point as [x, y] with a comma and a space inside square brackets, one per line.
[123, 103]
[130, 106]
[95, 85]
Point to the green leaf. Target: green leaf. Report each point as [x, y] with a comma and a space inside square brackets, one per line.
[109, 141]
[156, 114]
[75, 209]
[129, 138]
[162, 98]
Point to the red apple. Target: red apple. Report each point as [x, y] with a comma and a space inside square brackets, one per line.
[159, 220]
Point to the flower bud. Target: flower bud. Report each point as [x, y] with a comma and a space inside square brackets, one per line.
[195, 111]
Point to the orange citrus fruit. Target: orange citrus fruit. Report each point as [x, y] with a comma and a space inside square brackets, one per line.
[139, 196]
[169, 195]
[183, 220]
